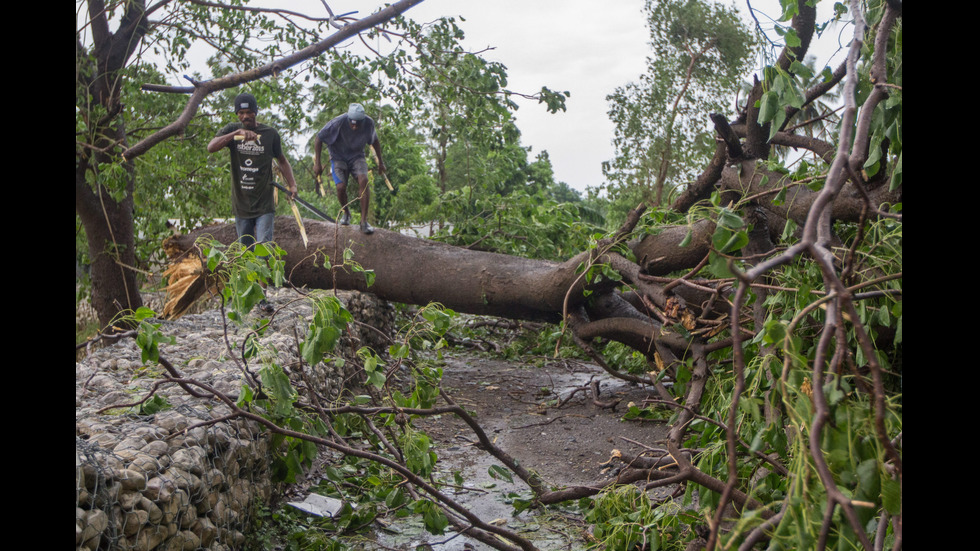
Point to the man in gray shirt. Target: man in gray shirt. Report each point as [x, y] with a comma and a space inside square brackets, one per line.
[346, 137]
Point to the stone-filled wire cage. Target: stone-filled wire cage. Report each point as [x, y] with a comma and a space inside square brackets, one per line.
[172, 472]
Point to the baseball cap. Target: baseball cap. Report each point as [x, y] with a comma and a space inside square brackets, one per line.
[356, 112]
[246, 101]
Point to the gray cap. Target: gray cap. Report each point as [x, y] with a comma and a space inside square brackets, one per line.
[356, 112]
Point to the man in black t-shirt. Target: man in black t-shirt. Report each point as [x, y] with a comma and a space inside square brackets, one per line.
[253, 149]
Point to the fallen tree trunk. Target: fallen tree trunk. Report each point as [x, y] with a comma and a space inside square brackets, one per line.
[415, 271]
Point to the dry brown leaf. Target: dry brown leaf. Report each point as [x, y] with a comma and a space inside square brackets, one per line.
[688, 320]
[806, 387]
[659, 362]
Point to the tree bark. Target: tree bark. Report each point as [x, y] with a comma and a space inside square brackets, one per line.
[108, 222]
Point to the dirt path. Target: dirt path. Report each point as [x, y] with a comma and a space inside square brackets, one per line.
[515, 405]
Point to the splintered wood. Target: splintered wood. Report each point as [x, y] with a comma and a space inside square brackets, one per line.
[186, 283]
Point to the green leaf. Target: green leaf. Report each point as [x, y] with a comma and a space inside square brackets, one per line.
[777, 122]
[792, 40]
[276, 383]
[155, 404]
[730, 220]
[433, 518]
[498, 472]
[827, 75]
[261, 250]
[245, 396]
[768, 107]
[789, 229]
[891, 494]
[399, 350]
[395, 498]
[333, 473]
[143, 313]
[869, 482]
[774, 333]
[780, 197]
[718, 266]
[376, 379]
[800, 69]
[896, 174]
[687, 238]
[735, 242]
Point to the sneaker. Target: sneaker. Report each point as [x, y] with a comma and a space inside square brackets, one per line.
[345, 219]
[366, 228]
[265, 307]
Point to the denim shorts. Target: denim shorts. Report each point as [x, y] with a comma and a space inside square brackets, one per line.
[340, 171]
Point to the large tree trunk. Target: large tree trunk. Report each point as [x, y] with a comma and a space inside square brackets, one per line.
[417, 271]
[108, 222]
[111, 247]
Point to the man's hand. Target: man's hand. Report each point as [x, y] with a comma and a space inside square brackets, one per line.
[246, 135]
[240, 135]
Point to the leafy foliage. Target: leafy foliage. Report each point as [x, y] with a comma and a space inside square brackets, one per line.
[533, 226]
[701, 50]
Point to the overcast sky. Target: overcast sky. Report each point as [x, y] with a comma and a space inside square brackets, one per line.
[587, 48]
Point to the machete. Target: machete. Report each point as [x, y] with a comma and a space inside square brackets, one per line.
[385, 173]
[292, 207]
[299, 220]
[308, 206]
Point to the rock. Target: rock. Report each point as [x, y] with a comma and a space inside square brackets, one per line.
[205, 530]
[159, 489]
[131, 480]
[95, 522]
[134, 521]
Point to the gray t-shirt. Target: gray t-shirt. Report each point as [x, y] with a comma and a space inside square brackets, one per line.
[344, 143]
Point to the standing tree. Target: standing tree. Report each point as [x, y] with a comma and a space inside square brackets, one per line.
[700, 50]
[104, 185]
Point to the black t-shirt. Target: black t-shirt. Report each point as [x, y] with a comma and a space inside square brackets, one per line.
[251, 171]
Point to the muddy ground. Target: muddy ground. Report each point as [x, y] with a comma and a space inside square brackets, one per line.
[515, 405]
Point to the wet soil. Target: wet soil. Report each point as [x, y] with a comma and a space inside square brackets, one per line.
[517, 406]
